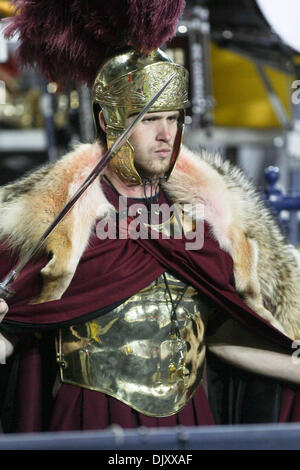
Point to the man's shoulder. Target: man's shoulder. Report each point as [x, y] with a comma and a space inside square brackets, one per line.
[211, 175]
[84, 153]
[211, 164]
[79, 161]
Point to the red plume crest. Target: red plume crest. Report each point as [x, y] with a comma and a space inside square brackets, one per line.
[69, 39]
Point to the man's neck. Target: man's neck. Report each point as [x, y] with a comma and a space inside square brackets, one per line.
[130, 191]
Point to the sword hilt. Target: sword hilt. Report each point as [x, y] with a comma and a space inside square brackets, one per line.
[5, 291]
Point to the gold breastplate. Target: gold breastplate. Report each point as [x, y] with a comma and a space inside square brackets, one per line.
[131, 354]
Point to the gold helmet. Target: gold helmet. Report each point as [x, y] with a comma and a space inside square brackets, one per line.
[122, 88]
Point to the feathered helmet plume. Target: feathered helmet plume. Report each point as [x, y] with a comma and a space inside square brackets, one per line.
[69, 39]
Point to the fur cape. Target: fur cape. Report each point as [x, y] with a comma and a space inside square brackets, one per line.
[266, 268]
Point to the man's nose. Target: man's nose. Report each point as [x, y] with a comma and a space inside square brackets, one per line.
[163, 132]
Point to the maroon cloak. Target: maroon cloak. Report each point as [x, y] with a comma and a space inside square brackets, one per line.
[109, 272]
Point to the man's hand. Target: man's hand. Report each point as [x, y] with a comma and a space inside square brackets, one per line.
[3, 308]
[6, 344]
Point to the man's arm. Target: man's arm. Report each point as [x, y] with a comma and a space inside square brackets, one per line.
[6, 345]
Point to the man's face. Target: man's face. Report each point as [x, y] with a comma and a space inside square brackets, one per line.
[153, 140]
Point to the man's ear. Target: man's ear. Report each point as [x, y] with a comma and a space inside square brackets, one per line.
[102, 121]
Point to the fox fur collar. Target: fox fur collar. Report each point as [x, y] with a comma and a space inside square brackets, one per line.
[266, 268]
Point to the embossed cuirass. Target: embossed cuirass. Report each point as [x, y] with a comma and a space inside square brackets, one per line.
[132, 353]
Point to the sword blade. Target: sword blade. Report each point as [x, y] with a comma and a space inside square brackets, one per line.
[5, 291]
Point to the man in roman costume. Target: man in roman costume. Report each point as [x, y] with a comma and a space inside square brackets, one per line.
[162, 299]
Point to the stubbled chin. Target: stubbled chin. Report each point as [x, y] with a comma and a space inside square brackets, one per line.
[154, 168]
